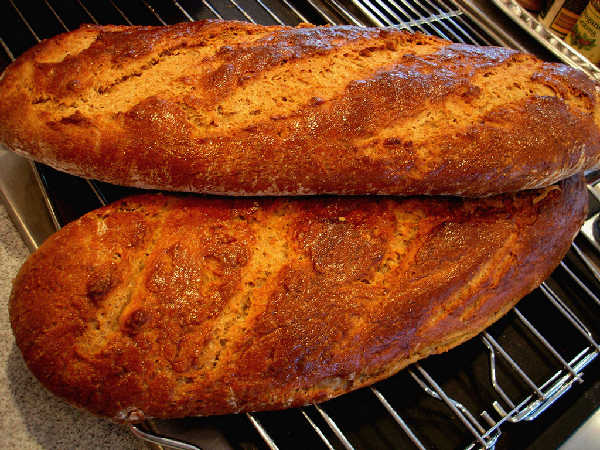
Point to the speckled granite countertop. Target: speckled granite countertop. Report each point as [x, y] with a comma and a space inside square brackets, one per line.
[30, 416]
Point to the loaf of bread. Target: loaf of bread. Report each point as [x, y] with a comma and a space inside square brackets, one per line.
[241, 109]
[167, 306]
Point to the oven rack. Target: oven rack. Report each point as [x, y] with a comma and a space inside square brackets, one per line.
[448, 19]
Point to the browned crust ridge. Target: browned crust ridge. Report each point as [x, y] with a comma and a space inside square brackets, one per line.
[242, 109]
[172, 306]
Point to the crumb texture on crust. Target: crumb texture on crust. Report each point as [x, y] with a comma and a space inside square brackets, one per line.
[171, 306]
[237, 108]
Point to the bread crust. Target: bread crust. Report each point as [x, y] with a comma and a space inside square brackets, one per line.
[241, 109]
[172, 306]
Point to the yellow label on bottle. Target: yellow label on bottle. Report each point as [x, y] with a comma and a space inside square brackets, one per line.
[585, 36]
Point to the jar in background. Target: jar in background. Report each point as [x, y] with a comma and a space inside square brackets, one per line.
[531, 5]
[585, 35]
[561, 15]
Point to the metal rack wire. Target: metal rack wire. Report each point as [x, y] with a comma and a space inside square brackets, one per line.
[444, 18]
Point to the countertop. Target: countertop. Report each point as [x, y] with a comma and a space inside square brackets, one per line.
[32, 417]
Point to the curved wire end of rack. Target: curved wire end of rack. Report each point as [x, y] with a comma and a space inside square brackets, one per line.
[160, 440]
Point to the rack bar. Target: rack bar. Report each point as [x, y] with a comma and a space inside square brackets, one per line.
[185, 13]
[565, 311]
[55, 15]
[414, 11]
[263, 433]
[398, 419]
[364, 7]
[371, 7]
[334, 427]
[586, 260]
[410, 23]
[473, 31]
[7, 50]
[547, 344]
[62, 24]
[242, 10]
[456, 404]
[153, 11]
[349, 17]
[97, 192]
[317, 430]
[270, 12]
[441, 13]
[160, 440]
[450, 404]
[486, 416]
[121, 13]
[494, 380]
[295, 11]
[49, 206]
[418, 22]
[24, 20]
[212, 9]
[580, 283]
[87, 11]
[593, 186]
[487, 336]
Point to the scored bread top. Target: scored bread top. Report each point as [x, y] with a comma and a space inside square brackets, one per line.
[169, 306]
[237, 108]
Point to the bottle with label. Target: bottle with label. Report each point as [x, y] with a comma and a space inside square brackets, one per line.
[561, 15]
[585, 35]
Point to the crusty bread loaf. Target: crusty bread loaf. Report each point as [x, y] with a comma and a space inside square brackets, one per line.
[236, 108]
[169, 306]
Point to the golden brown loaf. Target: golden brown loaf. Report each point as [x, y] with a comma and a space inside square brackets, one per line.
[171, 306]
[236, 108]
